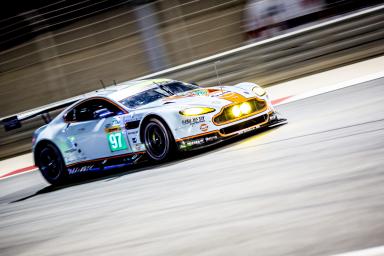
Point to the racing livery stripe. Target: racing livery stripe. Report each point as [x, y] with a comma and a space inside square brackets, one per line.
[233, 97]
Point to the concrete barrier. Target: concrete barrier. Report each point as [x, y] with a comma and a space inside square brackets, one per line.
[324, 46]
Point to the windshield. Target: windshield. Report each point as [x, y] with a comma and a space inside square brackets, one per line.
[156, 93]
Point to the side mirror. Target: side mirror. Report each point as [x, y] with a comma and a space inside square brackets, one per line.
[102, 113]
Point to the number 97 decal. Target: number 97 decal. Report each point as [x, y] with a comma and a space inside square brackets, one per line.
[116, 141]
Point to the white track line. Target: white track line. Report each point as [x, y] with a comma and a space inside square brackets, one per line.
[374, 251]
[334, 87]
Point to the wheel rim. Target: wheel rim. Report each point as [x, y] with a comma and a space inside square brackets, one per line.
[156, 141]
[49, 163]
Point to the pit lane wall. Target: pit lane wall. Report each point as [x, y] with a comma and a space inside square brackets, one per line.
[334, 43]
[321, 47]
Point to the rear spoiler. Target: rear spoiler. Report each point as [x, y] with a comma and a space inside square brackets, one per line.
[14, 122]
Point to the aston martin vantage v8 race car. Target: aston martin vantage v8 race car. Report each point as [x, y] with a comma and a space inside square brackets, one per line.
[115, 127]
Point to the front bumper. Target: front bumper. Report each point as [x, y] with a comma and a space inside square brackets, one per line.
[213, 137]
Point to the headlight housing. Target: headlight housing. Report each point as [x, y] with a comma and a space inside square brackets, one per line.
[241, 109]
[259, 91]
[196, 111]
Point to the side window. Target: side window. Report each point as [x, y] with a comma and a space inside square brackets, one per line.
[70, 116]
[82, 112]
[85, 111]
[100, 104]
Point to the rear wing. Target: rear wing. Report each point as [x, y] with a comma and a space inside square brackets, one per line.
[15, 121]
[11, 123]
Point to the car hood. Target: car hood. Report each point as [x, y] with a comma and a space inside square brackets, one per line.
[211, 96]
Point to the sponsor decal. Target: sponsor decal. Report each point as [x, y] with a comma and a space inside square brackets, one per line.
[114, 128]
[85, 168]
[134, 140]
[196, 142]
[116, 141]
[139, 147]
[211, 138]
[132, 117]
[220, 93]
[200, 92]
[204, 127]
[195, 120]
[249, 129]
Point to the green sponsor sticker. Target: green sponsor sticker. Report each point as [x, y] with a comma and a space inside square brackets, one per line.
[116, 141]
[202, 92]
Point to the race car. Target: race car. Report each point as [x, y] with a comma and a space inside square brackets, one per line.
[117, 126]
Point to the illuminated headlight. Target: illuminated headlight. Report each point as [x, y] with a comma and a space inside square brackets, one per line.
[236, 111]
[259, 91]
[242, 109]
[245, 108]
[196, 111]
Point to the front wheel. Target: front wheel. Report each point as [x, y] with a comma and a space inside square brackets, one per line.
[51, 165]
[158, 140]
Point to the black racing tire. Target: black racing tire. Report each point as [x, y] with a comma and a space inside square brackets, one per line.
[51, 164]
[158, 140]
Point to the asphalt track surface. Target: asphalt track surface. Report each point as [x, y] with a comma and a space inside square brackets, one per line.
[311, 187]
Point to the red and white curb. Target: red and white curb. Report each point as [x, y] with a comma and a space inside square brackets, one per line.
[18, 172]
[276, 102]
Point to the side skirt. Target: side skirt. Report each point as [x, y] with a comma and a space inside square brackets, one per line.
[105, 164]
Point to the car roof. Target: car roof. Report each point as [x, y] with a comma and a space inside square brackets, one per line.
[126, 89]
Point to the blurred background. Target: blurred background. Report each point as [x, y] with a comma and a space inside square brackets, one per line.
[53, 50]
[313, 187]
